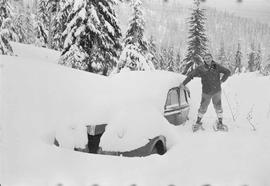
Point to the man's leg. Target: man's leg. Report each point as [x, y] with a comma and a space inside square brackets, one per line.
[204, 105]
[216, 99]
[202, 110]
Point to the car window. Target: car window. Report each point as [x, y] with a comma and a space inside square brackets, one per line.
[172, 99]
[183, 97]
[187, 94]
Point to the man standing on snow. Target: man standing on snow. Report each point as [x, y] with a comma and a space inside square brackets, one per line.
[209, 72]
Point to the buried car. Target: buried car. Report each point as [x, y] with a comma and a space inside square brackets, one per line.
[125, 114]
[143, 108]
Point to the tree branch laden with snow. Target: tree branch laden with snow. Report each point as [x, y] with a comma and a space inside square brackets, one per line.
[93, 27]
[135, 55]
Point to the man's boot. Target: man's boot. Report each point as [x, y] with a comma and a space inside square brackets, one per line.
[221, 126]
[197, 125]
[199, 120]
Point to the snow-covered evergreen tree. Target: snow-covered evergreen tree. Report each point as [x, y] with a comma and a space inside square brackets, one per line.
[42, 23]
[92, 29]
[162, 59]
[170, 60]
[77, 57]
[238, 59]
[20, 27]
[135, 55]
[179, 62]
[197, 44]
[252, 58]
[152, 47]
[60, 23]
[42, 12]
[53, 8]
[6, 35]
[5, 10]
[29, 26]
[222, 54]
[258, 59]
[266, 69]
[7, 32]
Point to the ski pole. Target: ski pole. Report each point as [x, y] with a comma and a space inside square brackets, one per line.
[228, 104]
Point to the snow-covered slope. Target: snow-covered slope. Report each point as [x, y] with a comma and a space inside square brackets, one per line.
[239, 157]
[35, 53]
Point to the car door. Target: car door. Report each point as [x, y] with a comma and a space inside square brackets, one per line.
[184, 96]
[176, 108]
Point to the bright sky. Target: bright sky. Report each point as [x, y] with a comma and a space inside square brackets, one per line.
[256, 9]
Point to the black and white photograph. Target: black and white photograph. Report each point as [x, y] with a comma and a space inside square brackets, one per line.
[134, 92]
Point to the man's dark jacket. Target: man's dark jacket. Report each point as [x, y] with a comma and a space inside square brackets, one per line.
[210, 77]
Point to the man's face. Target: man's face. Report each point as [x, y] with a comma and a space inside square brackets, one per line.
[208, 59]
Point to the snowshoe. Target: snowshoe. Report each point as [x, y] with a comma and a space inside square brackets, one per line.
[220, 127]
[197, 126]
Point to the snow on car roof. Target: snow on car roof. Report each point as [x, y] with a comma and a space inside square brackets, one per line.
[138, 101]
[144, 86]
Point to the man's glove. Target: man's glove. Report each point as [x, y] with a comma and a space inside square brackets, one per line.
[182, 86]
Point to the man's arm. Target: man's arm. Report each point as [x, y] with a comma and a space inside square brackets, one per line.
[224, 71]
[191, 75]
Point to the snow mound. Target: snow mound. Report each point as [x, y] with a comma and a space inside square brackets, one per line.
[49, 100]
[42, 98]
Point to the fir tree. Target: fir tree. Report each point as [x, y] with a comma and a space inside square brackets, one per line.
[258, 59]
[179, 63]
[162, 61]
[238, 59]
[170, 60]
[6, 35]
[42, 13]
[29, 25]
[221, 54]
[152, 47]
[20, 27]
[197, 44]
[161, 64]
[92, 29]
[53, 7]
[135, 55]
[266, 69]
[5, 10]
[252, 58]
[59, 25]
[42, 23]
[6, 28]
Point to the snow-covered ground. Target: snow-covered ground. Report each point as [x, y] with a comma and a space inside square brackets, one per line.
[239, 157]
[35, 53]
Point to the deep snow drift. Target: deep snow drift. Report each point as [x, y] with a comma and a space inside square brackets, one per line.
[238, 157]
[55, 101]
